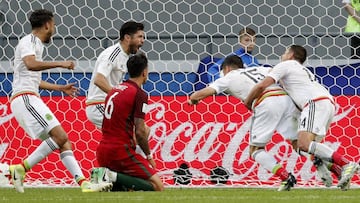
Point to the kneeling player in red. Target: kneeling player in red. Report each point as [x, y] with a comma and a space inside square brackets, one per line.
[124, 127]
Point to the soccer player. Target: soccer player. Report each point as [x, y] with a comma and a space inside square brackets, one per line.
[247, 38]
[110, 69]
[318, 110]
[274, 110]
[32, 113]
[125, 108]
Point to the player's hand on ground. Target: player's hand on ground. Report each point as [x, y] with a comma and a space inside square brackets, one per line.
[70, 89]
[68, 65]
[192, 102]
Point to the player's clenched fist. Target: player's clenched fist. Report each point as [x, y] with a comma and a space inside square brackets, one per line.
[68, 64]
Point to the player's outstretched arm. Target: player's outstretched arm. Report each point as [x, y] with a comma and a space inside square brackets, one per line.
[257, 90]
[68, 89]
[35, 65]
[201, 94]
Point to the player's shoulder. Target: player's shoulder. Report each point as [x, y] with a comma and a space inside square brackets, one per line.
[27, 39]
[111, 51]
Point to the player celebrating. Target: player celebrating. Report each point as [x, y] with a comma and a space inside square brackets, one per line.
[318, 109]
[123, 119]
[110, 69]
[32, 113]
[274, 110]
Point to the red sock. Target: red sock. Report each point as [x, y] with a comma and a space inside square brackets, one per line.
[339, 159]
[81, 181]
[282, 173]
[336, 169]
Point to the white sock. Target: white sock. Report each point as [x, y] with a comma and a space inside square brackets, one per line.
[264, 159]
[320, 150]
[68, 159]
[112, 175]
[44, 149]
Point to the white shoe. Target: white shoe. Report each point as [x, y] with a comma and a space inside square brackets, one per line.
[96, 187]
[347, 174]
[323, 172]
[17, 173]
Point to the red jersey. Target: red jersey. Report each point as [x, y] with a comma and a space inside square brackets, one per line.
[123, 104]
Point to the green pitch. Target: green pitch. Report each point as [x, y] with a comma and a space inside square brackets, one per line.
[222, 195]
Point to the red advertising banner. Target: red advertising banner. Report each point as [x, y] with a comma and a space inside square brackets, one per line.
[214, 133]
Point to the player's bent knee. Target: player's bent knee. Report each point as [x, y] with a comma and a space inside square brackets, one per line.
[157, 183]
[253, 149]
[59, 136]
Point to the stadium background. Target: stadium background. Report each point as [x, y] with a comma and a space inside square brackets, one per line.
[179, 34]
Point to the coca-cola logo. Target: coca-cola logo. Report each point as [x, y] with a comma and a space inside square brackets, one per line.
[167, 139]
[4, 115]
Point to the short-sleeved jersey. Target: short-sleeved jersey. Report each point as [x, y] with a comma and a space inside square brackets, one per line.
[299, 82]
[123, 104]
[239, 82]
[112, 64]
[26, 80]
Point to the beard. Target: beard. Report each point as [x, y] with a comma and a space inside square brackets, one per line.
[133, 49]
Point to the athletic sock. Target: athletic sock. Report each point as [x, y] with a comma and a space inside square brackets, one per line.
[339, 159]
[269, 163]
[321, 151]
[125, 182]
[43, 150]
[68, 159]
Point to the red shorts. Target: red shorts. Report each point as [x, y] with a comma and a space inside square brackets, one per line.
[124, 159]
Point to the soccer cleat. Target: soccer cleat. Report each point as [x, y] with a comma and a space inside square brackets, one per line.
[96, 187]
[286, 185]
[17, 173]
[347, 173]
[99, 175]
[323, 172]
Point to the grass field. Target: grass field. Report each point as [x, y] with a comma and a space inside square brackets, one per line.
[223, 195]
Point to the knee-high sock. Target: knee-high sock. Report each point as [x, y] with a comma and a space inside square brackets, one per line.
[270, 163]
[68, 159]
[327, 154]
[43, 150]
[321, 151]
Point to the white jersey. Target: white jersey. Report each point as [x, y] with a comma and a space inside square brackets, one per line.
[299, 82]
[26, 80]
[239, 82]
[112, 64]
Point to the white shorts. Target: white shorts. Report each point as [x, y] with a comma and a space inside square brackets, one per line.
[316, 117]
[274, 113]
[95, 113]
[33, 115]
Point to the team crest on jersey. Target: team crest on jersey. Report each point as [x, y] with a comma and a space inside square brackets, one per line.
[121, 87]
[48, 117]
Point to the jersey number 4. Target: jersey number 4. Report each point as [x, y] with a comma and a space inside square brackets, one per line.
[109, 107]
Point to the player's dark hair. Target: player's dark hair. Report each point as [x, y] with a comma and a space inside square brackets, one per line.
[234, 61]
[248, 31]
[130, 28]
[136, 65]
[299, 53]
[38, 18]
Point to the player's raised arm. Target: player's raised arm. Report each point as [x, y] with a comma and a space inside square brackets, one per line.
[201, 94]
[34, 65]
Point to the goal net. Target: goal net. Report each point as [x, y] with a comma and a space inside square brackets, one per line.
[205, 145]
